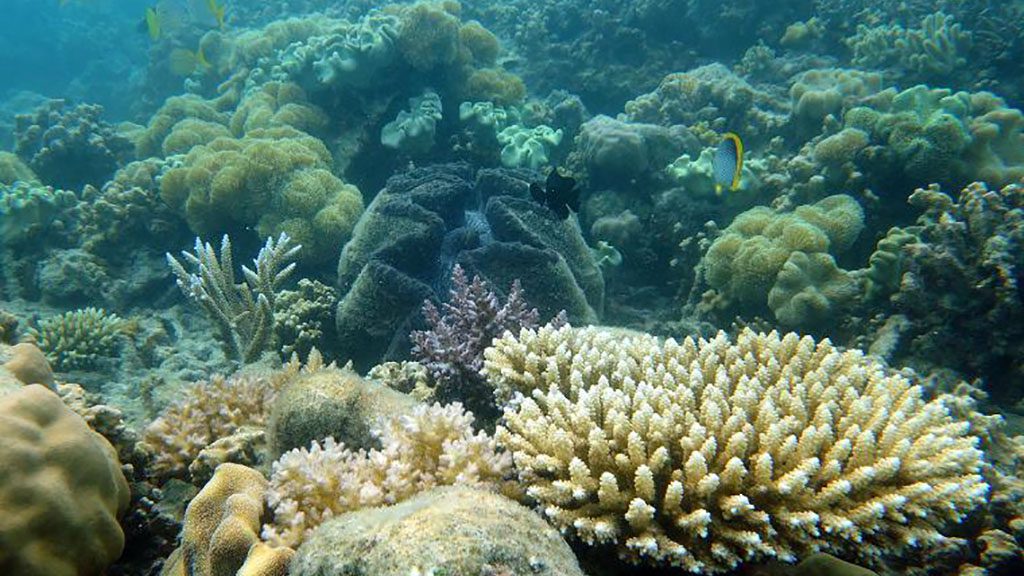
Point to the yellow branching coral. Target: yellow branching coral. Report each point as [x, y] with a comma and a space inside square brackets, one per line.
[208, 411]
[708, 453]
[432, 446]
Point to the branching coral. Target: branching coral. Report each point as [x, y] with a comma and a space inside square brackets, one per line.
[79, 339]
[452, 350]
[206, 412]
[242, 312]
[433, 446]
[936, 52]
[709, 453]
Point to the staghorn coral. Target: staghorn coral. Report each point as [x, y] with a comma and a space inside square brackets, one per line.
[452, 349]
[69, 147]
[61, 489]
[79, 339]
[707, 454]
[242, 312]
[432, 446]
[206, 412]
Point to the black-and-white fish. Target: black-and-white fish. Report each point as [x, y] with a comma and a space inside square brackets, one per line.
[559, 193]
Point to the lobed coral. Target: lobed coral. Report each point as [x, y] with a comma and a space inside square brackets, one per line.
[79, 339]
[304, 318]
[937, 51]
[61, 488]
[412, 132]
[274, 180]
[31, 212]
[432, 446]
[707, 454]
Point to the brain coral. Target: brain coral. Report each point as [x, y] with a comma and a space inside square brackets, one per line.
[753, 258]
[274, 180]
[61, 490]
[706, 454]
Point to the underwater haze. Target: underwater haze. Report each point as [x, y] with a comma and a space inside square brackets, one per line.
[511, 288]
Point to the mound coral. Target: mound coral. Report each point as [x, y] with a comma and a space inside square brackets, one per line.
[61, 489]
[199, 120]
[79, 339]
[29, 212]
[706, 454]
[207, 411]
[454, 530]
[277, 104]
[272, 180]
[788, 258]
[432, 446]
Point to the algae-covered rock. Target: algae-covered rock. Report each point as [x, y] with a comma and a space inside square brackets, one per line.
[331, 402]
[448, 530]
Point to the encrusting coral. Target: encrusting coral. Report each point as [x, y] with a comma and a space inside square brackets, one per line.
[432, 446]
[707, 454]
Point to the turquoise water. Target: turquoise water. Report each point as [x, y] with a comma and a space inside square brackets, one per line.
[697, 287]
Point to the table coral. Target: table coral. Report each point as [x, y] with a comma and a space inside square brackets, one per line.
[432, 446]
[61, 490]
[706, 454]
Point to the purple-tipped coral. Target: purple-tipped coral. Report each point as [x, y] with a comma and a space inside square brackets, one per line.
[453, 348]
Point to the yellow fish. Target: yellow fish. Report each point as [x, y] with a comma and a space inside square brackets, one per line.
[217, 10]
[185, 62]
[153, 23]
[728, 163]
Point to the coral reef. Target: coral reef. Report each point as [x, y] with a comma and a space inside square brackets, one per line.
[69, 147]
[79, 339]
[304, 318]
[709, 453]
[446, 530]
[452, 349]
[242, 312]
[61, 489]
[432, 446]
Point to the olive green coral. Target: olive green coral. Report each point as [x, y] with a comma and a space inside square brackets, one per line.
[272, 180]
[79, 339]
[754, 262]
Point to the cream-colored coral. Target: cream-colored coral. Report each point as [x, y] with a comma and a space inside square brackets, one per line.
[206, 412]
[432, 446]
[709, 453]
